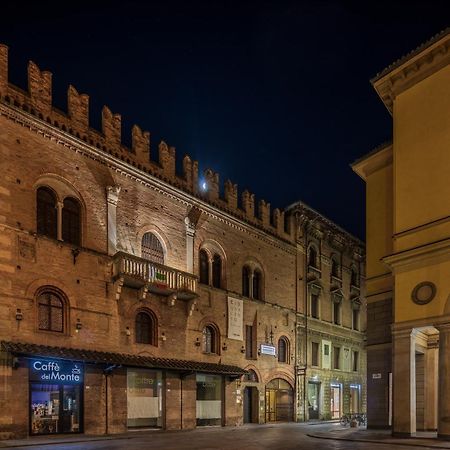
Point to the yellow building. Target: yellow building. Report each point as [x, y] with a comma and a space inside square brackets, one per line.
[408, 247]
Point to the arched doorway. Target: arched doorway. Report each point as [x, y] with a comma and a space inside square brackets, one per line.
[279, 401]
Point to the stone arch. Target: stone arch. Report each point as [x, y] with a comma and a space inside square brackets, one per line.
[159, 233]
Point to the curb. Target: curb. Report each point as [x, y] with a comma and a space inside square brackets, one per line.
[372, 441]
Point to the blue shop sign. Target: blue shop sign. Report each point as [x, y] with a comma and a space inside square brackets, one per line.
[56, 371]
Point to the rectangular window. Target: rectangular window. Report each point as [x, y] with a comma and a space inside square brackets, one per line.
[355, 361]
[336, 313]
[355, 319]
[209, 400]
[336, 358]
[250, 351]
[315, 306]
[315, 354]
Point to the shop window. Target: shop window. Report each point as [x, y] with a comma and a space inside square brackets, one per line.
[50, 312]
[246, 281]
[257, 279]
[315, 354]
[151, 248]
[312, 257]
[204, 267]
[46, 212]
[71, 221]
[315, 306]
[144, 398]
[209, 400]
[217, 271]
[336, 358]
[146, 328]
[355, 361]
[210, 339]
[355, 319]
[283, 350]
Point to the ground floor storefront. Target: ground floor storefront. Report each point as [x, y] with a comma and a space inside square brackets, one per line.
[53, 391]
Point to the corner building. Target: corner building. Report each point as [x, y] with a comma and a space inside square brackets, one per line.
[128, 297]
[408, 247]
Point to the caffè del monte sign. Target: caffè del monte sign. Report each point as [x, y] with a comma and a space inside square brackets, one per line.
[56, 371]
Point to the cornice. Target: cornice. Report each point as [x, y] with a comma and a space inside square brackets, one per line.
[417, 254]
[127, 170]
[413, 68]
[374, 161]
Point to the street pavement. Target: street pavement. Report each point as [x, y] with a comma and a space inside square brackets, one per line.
[329, 436]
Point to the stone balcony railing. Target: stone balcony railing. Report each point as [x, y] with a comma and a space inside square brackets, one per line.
[152, 277]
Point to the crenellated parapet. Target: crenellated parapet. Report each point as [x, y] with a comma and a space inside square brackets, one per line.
[37, 101]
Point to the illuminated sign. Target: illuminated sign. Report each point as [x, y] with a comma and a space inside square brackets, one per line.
[267, 350]
[56, 371]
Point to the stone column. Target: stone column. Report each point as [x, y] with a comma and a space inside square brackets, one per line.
[404, 383]
[190, 235]
[112, 197]
[59, 209]
[444, 382]
[431, 383]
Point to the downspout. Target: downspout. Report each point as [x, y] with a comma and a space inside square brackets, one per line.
[305, 294]
[106, 403]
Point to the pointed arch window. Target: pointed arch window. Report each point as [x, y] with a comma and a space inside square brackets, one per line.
[151, 248]
[246, 281]
[50, 312]
[46, 212]
[146, 328]
[204, 267]
[71, 221]
[283, 350]
[217, 271]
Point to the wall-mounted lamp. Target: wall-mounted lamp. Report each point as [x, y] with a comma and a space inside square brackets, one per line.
[128, 331]
[242, 349]
[197, 342]
[224, 346]
[78, 326]
[163, 337]
[19, 315]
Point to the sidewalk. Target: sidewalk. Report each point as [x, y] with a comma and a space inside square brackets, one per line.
[381, 437]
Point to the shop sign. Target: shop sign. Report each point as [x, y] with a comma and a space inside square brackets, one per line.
[56, 371]
[267, 350]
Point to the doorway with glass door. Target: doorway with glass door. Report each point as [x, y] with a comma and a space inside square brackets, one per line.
[335, 401]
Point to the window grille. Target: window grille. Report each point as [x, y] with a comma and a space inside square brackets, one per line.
[46, 212]
[50, 312]
[71, 221]
[152, 249]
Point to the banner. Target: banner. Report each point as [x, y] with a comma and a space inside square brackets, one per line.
[235, 319]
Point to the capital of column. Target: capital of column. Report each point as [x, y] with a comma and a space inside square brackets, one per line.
[190, 227]
[112, 194]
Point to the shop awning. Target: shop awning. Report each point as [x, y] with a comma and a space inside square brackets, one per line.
[120, 359]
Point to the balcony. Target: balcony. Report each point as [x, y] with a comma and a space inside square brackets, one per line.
[148, 276]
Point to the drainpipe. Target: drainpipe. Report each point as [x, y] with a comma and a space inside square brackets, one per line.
[106, 402]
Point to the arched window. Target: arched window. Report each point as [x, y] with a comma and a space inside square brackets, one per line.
[217, 271]
[257, 280]
[210, 340]
[146, 328]
[46, 212]
[334, 267]
[312, 257]
[283, 350]
[50, 311]
[204, 267]
[151, 248]
[71, 221]
[246, 281]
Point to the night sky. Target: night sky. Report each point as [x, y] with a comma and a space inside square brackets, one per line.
[273, 95]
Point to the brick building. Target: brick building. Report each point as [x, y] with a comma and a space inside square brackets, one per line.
[130, 297]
